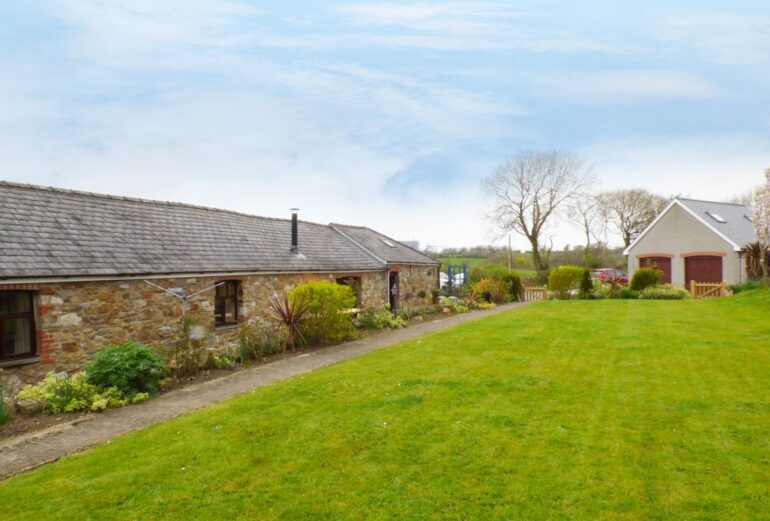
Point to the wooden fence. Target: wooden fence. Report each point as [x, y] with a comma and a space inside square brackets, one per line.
[707, 289]
[535, 294]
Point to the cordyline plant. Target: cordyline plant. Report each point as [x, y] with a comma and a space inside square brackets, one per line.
[755, 252]
[292, 314]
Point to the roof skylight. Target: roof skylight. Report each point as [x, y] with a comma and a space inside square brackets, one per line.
[718, 218]
[386, 241]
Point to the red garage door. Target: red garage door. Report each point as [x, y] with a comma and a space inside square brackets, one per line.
[662, 263]
[702, 269]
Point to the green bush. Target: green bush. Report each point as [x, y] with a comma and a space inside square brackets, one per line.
[628, 293]
[563, 279]
[64, 393]
[129, 367]
[514, 287]
[489, 290]
[453, 305]
[326, 302]
[664, 292]
[645, 278]
[379, 319]
[747, 286]
[255, 342]
[496, 272]
[586, 284]
[541, 277]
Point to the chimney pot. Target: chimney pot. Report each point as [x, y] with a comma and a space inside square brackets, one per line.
[294, 234]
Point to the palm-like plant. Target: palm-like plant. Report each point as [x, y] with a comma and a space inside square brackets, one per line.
[292, 315]
[756, 257]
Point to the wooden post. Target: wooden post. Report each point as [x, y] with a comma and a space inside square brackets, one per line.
[693, 289]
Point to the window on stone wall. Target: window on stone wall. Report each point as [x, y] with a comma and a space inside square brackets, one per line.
[355, 285]
[226, 304]
[17, 325]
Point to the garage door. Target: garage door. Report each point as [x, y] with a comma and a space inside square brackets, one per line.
[703, 269]
[662, 263]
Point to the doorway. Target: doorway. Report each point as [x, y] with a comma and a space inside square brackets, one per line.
[393, 291]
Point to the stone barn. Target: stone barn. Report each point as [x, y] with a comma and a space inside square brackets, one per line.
[80, 271]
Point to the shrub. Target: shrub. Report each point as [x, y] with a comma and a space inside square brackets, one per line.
[131, 368]
[563, 279]
[421, 294]
[325, 321]
[514, 287]
[189, 352]
[63, 393]
[541, 277]
[628, 293]
[419, 311]
[453, 305]
[379, 319]
[3, 407]
[480, 304]
[489, 290]
[256, 342]
[746, 286]
[645, 278]
[664, 292]
[586, 284]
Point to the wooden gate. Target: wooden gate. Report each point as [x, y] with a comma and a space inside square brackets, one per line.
[707, 289]
[535, 294]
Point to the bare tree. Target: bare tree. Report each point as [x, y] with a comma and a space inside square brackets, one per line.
[745, 198]
[584, 212]
[629, 212]
[528, 189]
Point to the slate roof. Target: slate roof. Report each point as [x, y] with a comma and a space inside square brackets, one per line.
[738, 227]
[389, 250]
[50, 232]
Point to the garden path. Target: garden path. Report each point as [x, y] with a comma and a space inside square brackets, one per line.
[28, 451]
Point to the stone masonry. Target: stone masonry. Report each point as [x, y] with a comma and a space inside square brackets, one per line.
[75, 319]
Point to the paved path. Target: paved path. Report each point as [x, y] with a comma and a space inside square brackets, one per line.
[32, 450]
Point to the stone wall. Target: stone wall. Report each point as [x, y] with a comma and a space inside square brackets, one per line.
[412, 279]
[76, 319]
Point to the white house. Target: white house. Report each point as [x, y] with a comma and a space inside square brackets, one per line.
[695, 240]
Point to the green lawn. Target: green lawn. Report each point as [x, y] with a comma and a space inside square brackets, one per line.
[561, 410]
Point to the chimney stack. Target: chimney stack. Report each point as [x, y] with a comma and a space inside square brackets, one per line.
[294, 237]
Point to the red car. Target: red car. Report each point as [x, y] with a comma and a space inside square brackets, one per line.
[605, 274]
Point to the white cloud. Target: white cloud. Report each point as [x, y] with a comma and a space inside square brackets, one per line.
[154, 35]
[702, 167]
[451, 17]
[460, 26]
[721, 37]
[256, 135]
[628, 85]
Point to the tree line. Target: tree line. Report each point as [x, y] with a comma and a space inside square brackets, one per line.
[528, 192]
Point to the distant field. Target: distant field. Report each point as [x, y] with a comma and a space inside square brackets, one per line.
[474, 262]
[470, 261]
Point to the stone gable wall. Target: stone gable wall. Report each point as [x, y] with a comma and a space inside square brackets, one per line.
[412, 279]
[74, 320]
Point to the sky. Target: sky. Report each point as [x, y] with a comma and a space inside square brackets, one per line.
[385, 114]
